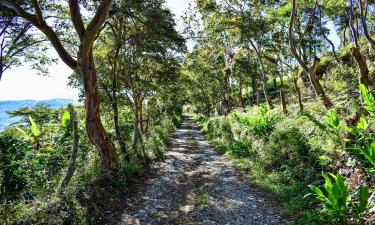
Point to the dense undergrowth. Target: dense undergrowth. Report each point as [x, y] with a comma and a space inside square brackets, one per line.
[34, 158]
[288, 154]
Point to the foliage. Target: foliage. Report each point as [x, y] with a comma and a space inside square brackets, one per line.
[336, 199]
[259, 125]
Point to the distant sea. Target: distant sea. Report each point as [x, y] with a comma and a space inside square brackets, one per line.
[6, 119]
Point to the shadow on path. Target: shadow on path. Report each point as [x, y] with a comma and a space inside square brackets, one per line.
[194, 184]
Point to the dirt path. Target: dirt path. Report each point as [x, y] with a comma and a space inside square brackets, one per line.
[196, 185]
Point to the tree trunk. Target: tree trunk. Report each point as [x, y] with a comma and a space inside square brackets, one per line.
[283, 101]
[119, 136]
[258, 97]
[362, 66]
[254, 86]
[319, 91]
[73, 158]
[305, 79]
[95, 130]
[263, 77]
[267, 93]
[240, 97]
[344, 37]
[137, 133]
[298, 91]
[275, 83]
[141, 116]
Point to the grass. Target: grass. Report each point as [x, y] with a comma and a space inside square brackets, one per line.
[201, 197]
[273, 164]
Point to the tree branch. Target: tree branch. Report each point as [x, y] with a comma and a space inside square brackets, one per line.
[94, 26]
[47, 30]
[75, 13]
[291, 40]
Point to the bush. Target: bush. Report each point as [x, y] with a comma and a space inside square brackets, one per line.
[241, 148]
[259, 125]
[14, 172]
[286, 146]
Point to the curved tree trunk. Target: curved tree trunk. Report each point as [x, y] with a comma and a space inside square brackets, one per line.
[95, 130]
[319, 91]
[73, 157]
[362, 66]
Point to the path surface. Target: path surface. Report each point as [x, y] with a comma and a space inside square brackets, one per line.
[194, 184]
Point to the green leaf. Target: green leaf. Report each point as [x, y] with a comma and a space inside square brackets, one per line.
[34, 127]
[362, 124]
[65, 121]
[364, 194]
[333, 119]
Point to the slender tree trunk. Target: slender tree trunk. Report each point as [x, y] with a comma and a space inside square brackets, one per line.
[267, 93]
[137, 133]
[298, 91]
[94, 126]
[364, 24]
[254, 86]
[228, 98]
[283, 101]
[119, 136]
[362, 66]
[240, 97]
[263, 77]
[344, 37]
[258, 97]
[73, 157]
[141, 116]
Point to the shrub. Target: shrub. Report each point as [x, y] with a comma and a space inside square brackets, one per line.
[286, 146]
[14, 172]
[241, 148]
[259, 125]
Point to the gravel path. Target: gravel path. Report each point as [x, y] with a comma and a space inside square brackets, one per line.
[196, 185]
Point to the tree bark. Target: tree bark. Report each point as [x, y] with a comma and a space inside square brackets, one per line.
[141, 116]
[263, 77]
[254, 86]
[119, 136]
[298, 91]
[95, 130]
[283, 101]
[137, 133]
[73, 158]
[362, 66]
[317, 86]
[240, 97]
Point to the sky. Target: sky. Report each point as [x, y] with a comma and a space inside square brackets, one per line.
[22, 83]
